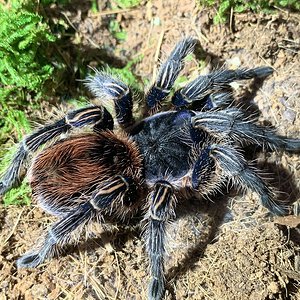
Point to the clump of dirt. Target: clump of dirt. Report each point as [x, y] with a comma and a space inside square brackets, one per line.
[229, 249]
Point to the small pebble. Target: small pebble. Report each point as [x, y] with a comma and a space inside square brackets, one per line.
[289, 115]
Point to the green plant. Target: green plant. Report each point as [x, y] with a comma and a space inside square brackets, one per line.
[24, 70]
[19, 195]
[127, 3]
[22, 61]
[117, 32]
[224, 6]
[127, 75]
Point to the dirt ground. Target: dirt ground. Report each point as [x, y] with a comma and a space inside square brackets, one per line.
[227, 249]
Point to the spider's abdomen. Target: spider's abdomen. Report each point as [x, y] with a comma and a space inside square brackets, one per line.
[70, 170]
[165, 144]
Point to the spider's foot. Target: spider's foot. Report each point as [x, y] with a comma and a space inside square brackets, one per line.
[156, 289]
[275, 208]
[29, 260]
[292, 145]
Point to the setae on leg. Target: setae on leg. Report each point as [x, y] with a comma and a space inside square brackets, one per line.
[106, 87]
[96, 116]
[161, 210]
[168, 72]
[202, 86]
[235, 168]
[115, 191]
[233, 123]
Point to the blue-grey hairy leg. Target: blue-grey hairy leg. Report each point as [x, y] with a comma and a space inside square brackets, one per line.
[233, 123]
[203, 169]
[57, 236]
[107, 87]
[107, 193]
[205, 85]
[161, 211]
[169, 71]
[96, 116]
[236, 169]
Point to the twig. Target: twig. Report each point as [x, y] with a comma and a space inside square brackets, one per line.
[231, 19]
[76, 29]
[200, 35]
[112, 12]
[156, 56]
[14, 228]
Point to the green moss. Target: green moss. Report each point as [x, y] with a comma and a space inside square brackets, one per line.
[127, 3]
[117, 31]
[23, 40]
[24, 71]
[127, 75]
[224, 7]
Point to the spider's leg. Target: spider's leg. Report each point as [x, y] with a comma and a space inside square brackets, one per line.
[106, 199]
[217, 100]
[234, 124]
[235, 168]
[200, 88]
[99, 117]
[107, 88]
[168, 72]
[204, 172]
[58, 235]
[161, 210]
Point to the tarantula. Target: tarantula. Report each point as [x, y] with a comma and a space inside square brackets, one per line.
[118, 168]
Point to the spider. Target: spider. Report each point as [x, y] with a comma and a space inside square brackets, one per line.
[124, 166]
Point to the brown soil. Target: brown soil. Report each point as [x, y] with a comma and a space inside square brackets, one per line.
[229, 249]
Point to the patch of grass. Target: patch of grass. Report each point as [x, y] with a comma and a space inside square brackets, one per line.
[127, 3]
[127, 75]
[117, 31]
[24, 71]
[21, 194]
[224, 7]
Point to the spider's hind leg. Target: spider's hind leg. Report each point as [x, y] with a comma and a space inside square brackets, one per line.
[233, 123]
[108, 198]
[96, 116]
[160, 212]
[236, 169]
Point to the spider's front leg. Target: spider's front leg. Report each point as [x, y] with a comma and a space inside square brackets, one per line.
[168, 73]
[210, 89]
[111, 197]
[96, 116]
[233, 123]
[106, 88]
[162, 202]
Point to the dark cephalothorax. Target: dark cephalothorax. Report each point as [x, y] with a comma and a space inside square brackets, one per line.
[119, 168]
